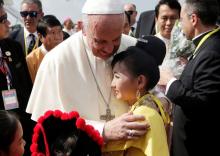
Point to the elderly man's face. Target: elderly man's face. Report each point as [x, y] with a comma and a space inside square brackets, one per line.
[166, 20]
[186, 24]
[104, 34]
[4, 24]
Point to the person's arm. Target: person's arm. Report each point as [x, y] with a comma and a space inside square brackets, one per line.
[204, 80]
[126, 126]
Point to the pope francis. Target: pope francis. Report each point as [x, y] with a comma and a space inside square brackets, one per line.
[76, 75]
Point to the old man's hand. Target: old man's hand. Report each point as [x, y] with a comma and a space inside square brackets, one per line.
[127, 126]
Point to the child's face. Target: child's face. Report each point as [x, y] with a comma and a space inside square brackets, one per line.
[17, 146]
[124, 84]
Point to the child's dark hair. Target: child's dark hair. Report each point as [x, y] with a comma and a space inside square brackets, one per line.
[143, 59]
[8, 128]
[60, 133]
[45, 22]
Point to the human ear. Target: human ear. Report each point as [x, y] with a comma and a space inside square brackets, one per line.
[194, 19]
[41, 38]
[142, 82]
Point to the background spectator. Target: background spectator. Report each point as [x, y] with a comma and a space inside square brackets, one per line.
[68, 26]
[15, 82]
[31, 12]
[49, 30]
[131, 10]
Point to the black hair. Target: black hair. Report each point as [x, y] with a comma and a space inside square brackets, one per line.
[89, 146]
[64, 144]
[8, 127]
[143, 59]
[173, 4]
[207, 10]
[72, 144]
[138, 63]
[45, 22]
[64, 137]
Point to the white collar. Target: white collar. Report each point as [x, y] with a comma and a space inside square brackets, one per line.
[166, 40]
[200, 35]
[27, 33]
[43, 49]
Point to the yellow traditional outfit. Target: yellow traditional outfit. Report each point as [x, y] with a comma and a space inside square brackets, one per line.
[154, 143]
[34, 60]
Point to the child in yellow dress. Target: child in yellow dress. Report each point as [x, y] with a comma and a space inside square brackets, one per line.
[135, 72]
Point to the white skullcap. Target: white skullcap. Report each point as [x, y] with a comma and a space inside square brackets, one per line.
[103, 7]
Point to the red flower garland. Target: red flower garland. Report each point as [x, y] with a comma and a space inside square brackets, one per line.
[80, 124]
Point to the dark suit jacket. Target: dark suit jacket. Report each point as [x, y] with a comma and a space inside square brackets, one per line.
[196, 96]
[18, 35]
[146, 24]
[21, 82]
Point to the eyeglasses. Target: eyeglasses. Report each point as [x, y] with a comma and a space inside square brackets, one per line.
[130, 12]
[30, 13]
[3, 18]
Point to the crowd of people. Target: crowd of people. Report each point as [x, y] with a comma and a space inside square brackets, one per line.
[115, 75]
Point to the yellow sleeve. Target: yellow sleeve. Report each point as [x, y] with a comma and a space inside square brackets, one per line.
[31, 66]
[154, 143]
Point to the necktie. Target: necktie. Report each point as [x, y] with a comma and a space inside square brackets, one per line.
[132, 32]
[32, 43]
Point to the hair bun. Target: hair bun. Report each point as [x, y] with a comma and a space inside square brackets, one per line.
[153, 46]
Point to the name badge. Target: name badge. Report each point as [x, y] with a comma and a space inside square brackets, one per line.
[10, 99]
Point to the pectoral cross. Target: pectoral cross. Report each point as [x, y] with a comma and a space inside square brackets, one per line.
[108, 115]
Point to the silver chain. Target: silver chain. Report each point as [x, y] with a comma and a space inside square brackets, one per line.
[97, 84]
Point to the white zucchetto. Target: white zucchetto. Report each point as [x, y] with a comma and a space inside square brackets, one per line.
[103, 7]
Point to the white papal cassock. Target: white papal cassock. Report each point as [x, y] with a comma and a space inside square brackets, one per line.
[65, 81]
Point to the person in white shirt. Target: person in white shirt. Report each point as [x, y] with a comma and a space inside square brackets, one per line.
[68, 26]
[76, 74]
[166, 13]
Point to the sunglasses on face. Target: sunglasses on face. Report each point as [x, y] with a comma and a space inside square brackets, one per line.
[130, 12]
[30, 13]
[3, 18]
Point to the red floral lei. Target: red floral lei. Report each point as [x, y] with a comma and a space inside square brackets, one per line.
[80, 124]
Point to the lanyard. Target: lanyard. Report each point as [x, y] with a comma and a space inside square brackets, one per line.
[204, 39]
[5, 70]
[25, 42]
